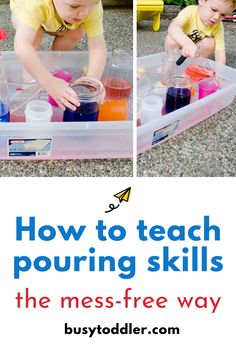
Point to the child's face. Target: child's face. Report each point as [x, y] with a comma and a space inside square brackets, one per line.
[73, 11]
[213, 11]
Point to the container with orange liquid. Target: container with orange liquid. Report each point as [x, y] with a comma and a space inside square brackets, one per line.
[198, 72]
[113, 110]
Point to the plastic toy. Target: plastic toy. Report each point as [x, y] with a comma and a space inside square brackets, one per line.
[3, 34]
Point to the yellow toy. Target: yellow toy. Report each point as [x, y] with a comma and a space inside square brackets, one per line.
[150, 8]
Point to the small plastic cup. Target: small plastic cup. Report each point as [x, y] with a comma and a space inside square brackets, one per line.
[151, 108]
[38, 111]
[60, 74]
[207, 87]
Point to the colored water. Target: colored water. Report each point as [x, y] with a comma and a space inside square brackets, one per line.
[176, 98]
[4, 112]
[113, 110]
[86, 112]
[117, 88]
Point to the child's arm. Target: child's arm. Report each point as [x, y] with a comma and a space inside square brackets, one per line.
[220, 56]
[97, 56]
[60, 90]
[189, 49]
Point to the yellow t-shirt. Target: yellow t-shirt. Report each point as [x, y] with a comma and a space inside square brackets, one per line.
[196, 30]
[36, 13]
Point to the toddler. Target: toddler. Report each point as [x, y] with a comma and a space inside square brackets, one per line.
[68, 21]
[198, 29]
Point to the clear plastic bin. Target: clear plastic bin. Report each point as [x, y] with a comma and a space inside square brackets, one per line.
[172, 124]
[57, 139]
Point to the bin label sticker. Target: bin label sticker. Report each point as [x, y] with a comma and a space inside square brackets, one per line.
[164, 133]
[30, 147]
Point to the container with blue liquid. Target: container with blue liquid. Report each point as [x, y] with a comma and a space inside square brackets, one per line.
[178, 93]
[4, 112]
[4, 99]
[90, 93]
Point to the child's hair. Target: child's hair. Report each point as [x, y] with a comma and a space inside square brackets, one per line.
[233, 3]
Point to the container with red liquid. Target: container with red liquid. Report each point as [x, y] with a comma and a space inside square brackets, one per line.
[118, 77]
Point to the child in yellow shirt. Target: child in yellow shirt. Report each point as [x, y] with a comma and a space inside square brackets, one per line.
[198, 29]
[68, 21]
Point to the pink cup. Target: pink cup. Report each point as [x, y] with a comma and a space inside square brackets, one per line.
[207, 87]
[60, 74]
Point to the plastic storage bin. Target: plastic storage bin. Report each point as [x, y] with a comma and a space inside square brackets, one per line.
[172, 124]
[57, 139]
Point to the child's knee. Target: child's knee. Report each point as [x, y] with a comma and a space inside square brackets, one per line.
[170, 43]
[208, 44]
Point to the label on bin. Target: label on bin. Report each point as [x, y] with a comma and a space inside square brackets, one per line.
[29, 147]
[164, 133]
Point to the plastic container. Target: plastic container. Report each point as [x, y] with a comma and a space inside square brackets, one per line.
[58, 139]
[117, 78]
[143, 86]
[199, 72]
[169, 67]
[113, 110]
[160, 89]
[206, 87]
[178, 93]
[157, 131]
[38, 111]
[151, 108]
[90, 94]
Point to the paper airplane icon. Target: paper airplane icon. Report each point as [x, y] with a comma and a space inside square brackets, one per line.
[123, 195]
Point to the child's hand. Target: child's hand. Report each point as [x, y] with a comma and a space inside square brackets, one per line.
[190, 50]
[63, 94]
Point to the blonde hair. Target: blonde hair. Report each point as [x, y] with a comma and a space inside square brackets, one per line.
[233, 3]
